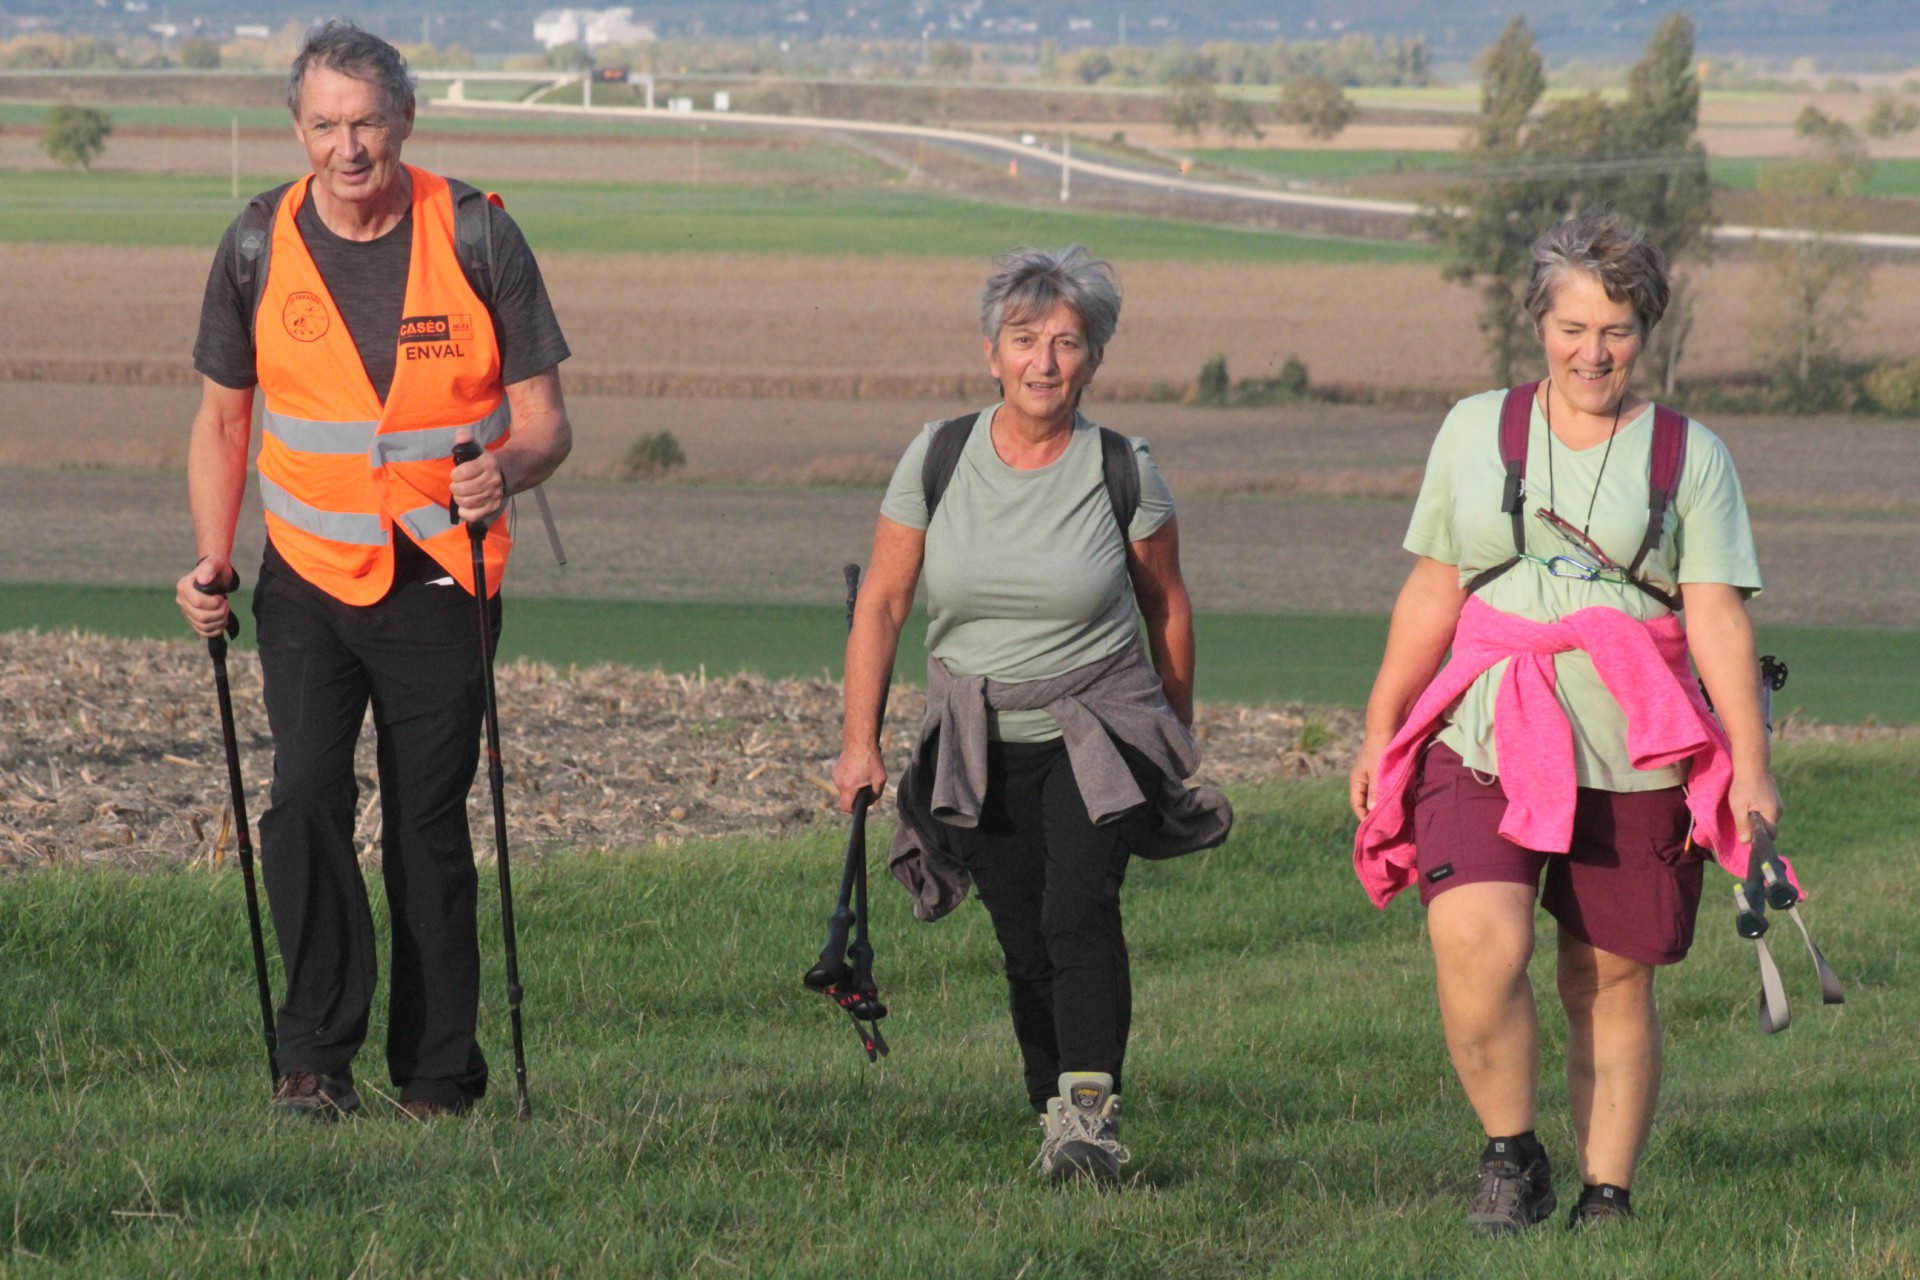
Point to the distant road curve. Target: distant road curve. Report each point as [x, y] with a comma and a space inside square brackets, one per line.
[965, 138]
[1881, 241]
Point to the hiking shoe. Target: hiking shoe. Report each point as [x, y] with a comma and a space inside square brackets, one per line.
[424, 1109]
[1082, 1128]
[312, 1095]
[1515, 1192]
[1604, 1203]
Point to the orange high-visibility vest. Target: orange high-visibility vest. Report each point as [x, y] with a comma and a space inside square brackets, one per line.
[338, 469]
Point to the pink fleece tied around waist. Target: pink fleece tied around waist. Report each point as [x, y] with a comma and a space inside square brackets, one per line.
[1643, 665]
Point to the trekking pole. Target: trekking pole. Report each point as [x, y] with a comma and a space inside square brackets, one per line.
[467, 451]
[217, 650]
[851, 986]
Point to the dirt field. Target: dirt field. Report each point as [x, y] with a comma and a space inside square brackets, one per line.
[898, 321]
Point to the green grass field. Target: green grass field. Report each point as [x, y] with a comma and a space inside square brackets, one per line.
[1838, 676]
[119, 208]
[1895, 177]
[1290, 1107]
[1313, 165]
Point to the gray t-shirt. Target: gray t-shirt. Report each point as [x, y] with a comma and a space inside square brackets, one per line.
[1458, 521]
[1026, 574]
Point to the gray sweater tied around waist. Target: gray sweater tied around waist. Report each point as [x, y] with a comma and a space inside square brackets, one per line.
[1119, 697]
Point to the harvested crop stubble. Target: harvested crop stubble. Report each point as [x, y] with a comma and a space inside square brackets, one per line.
[115, 755]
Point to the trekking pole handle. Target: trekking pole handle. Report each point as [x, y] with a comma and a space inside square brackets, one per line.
[223, 589]
[463, 452]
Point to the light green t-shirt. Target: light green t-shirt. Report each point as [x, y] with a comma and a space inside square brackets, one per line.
[1458, 520]
[1025, 573]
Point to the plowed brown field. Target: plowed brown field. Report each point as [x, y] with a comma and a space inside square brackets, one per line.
[900, 320]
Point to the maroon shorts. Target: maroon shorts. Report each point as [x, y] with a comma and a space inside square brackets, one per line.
[1630, 885]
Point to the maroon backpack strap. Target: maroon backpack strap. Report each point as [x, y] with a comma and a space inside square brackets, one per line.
[1663, 482]
[1516, 424]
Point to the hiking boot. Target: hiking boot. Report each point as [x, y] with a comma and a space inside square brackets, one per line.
[424, 1109]
[312, 1095]
[1604, 1203]
[1082, 1128]
[1515, 1191]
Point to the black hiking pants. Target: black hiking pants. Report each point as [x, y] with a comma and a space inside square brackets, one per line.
[413, 657]
[1050, 881]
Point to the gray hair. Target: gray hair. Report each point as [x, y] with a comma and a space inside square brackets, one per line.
[1601, 244]
[342, 47]
[1028, 283]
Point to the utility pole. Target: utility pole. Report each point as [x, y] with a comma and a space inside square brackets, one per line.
[1066, 166]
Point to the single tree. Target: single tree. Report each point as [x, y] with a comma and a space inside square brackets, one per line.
[199, 53]
[1235, 118]
[1317, 105]
[75, 136]
[1814, 281]
[950, 60]
[1191, 104]
[1889, 117]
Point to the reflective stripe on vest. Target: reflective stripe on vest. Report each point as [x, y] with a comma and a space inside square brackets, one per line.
[335, 526]
[339, 469]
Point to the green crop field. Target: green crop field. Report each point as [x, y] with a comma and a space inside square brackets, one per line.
[1896, 177]
[119, 208]
[1290, 1107]
[1838, 676]
[1323, 165]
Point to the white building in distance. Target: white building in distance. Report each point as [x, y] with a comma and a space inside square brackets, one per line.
[589, 28]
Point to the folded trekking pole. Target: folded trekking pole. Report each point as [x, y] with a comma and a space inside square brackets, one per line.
[1766, 885]
[217, 650]
[467, 451]
[844, 971]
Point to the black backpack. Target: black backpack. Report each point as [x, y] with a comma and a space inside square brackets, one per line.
[1117, 466]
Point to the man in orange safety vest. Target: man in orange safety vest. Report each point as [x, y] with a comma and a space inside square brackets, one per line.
[344, 298]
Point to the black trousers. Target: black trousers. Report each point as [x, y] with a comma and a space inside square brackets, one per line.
[1050, 880]
[415, 657]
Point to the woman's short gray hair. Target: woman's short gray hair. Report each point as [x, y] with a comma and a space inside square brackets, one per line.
[1601, 244]
[1028, 283]
[342, 47]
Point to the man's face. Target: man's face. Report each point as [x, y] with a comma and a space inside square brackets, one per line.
[352, 140]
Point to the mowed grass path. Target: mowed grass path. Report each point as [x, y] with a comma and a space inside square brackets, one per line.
[1838, 676]
[1290, 1106]
[121, 208]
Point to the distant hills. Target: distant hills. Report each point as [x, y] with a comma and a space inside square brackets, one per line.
[1882, 33]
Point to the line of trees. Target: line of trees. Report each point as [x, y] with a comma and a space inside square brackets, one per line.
[1349, 61]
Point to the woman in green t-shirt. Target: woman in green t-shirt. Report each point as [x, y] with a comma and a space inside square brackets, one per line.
[1534, 749]
[1052, 751]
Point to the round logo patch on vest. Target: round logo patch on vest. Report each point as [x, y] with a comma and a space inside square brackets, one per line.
[305, 316]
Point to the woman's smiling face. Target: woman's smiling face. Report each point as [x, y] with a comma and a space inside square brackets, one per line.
[1591, 343]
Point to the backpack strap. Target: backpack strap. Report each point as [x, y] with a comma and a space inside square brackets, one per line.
[1122, 476]
[943, 455]
[1119, 473]
[1663, 478]
[473, 235]
[1663, 482]
[253, 248]
[473, 244]
[1516, 424]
